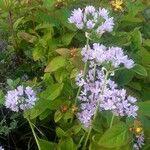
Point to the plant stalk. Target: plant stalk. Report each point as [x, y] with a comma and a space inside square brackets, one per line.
[84, 73]
[34, 134]
[96, 111]
[111, 122]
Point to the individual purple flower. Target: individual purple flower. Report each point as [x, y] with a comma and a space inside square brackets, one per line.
[103, 13]
[89, 10]
[87, 53]
[20, 98]
[90, 24]
[77, 18]
[139, 142]
[128, 63]
[106, 26]
[79, 79]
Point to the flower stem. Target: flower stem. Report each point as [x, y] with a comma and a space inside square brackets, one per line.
[96, 111]
[78, 146]
[111, 122]
[86, 140]
[34, 134]
[84, 73]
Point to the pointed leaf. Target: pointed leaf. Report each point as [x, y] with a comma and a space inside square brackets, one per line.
[55, 64]
[115, 136]
[140, 70]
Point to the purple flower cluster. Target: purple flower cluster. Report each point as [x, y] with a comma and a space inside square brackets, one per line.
[89, 18]
[20, 99]
[97, 90]
[101, 54]
[118, 102]
[1, 148]
[139, 141]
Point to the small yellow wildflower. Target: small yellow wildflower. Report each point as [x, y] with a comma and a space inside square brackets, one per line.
[136, 128]
[117, 5]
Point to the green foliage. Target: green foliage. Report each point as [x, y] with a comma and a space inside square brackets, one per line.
[144, 108]
[55, 64]
[1, 97]
[115, 137]
[43, 50]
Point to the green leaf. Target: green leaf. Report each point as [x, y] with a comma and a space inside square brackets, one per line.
[63, 15]
[144, 55]
[60, 75]
[60, 132]
[57, 103]
[115, 137]
[74, 73]
[58, 115]
[37, 53]
[144, 108]
[48, 79]
[140, 70]
[64, 52]
[66, 144]
[146, 42]
[68, 115]
[124, 76]
[55, 64]
[145, 93]
[1, 97]
[48, 4]
[135, 85]
[52, 92]
[136, 38]
[10, 82]
[45, 114]
[67, 38]
[44, 145]
[97, 124]
[45, 100]
[17, 22]
[134, 7]
[74, 130]
[27, 37]
[131, 19]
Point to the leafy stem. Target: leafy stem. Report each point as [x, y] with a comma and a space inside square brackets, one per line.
[34, 134]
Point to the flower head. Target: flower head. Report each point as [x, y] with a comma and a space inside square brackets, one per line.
[20, 99]
[1, 148]
[106, 94]
[139, 141]
[77, 18]
[117, 5]
[101, 54]
[89, 19]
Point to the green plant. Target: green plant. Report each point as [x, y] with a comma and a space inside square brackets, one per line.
[43, 51]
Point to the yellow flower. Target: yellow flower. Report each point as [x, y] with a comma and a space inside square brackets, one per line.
[137, 128]
[117, 5]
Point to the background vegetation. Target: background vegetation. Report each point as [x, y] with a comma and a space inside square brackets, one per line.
[38, 47]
